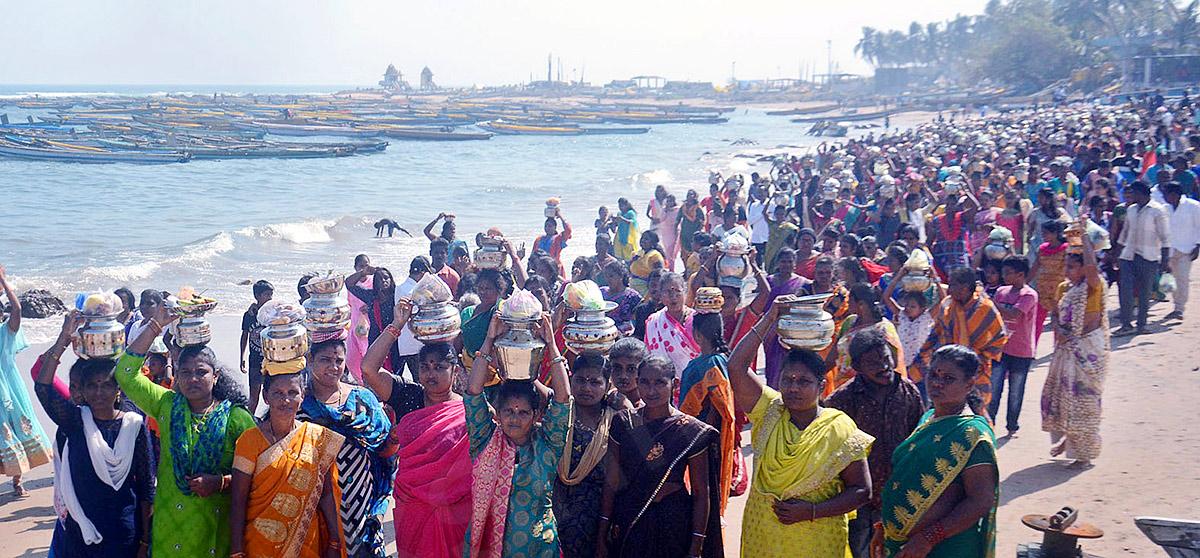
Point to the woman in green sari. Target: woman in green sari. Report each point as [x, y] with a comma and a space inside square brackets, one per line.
[199, 424]
[941, 499]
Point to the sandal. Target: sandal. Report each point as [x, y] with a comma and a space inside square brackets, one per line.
[19, 490]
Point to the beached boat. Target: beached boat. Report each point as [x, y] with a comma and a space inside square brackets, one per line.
[847, 117]
[529, 130]
[84, 154]
[427, 134]
[807, 110]
[626, 130]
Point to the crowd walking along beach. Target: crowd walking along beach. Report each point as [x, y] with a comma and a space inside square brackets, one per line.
[863, 317]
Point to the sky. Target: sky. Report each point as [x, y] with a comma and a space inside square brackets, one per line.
[464, 42]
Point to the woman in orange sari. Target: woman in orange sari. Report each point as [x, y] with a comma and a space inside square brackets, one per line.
[285, 495]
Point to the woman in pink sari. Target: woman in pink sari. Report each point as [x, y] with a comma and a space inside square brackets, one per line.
[433, 471]
[360, 327]
[433, 476]
[669, 331]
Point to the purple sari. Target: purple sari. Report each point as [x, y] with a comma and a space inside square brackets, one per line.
[774, 351]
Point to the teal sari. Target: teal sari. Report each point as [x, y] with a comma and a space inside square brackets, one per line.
[923, 467]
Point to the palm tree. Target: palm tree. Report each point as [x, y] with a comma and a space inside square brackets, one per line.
[1187, 25]
[867, 47]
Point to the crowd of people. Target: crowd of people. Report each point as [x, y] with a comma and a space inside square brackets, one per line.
[880, 444]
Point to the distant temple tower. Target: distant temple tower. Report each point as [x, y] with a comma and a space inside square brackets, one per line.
[427, 83]
[393, 80]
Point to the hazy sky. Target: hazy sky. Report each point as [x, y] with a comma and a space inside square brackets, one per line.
[463, 41]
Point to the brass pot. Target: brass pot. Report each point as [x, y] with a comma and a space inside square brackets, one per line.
[435, 323]
[520, 351]
[591, 330]
[805, 324]
[491, 254]
[326, 311]
[100, 337]
[192, 331]
[284, 342]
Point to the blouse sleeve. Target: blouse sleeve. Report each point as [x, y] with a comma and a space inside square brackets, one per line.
[144, 393]
[245, 452]
[365, 295]
[240, 421]
[62, 411]
[480, 422]
[556, 423]
[60, 386]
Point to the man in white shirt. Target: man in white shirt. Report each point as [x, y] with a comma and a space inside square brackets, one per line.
[1185, 242]
[756, 217]
[1144, 248]
[407, 345]
[729, 225]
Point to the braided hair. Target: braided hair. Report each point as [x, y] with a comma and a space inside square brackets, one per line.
[712, 328]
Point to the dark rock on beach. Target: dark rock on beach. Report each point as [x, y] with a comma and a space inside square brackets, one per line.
[39, 303]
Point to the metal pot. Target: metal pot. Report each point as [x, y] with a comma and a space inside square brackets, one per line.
[491, 254]
[591, 330]
[192, 331]
[551, 211]
[284, 342]
[995, 251]
[733, 269]
[709, 300]
[520, 351]
[326, 311]
[435, 323]
[327, 285]
[916, 282]
[100, 337]
[805, 324]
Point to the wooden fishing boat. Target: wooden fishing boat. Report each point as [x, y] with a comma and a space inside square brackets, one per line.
[624, 130]
[847, 117]
[807, 110]
[427, 134]
[83, 154]
[529, 130]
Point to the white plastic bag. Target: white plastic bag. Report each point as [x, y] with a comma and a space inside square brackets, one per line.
[1166, 283]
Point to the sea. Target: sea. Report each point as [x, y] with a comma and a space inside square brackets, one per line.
[218, 225]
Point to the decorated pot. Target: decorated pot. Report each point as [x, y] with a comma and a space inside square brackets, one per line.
[491, 254]
[284, 342]
[435, 323]
[709, 300]
[805, 324]
[326, 311]
[916, 282]
[192, 331]
[591, 330]
[520, 351]
[1074, 234]
[100, 337]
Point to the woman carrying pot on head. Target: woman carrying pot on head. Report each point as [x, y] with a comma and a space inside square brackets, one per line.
[285, 489]
[378, 302]
[825, 281]
[433, 466]
[581, 468]
[647, 507]
[103, 473]
[515, 446]
[783, 282]
[366, 461]
[810, 461]
[866, 313]
[199, 423]
[490, 286]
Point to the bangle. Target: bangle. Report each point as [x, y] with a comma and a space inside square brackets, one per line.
[392, 330]
[604, 518]
[934, 534]
[558, 360]
[237, 555]
[701, 535]
[486, 357]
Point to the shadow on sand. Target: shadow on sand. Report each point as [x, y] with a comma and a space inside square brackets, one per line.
[1035, 479]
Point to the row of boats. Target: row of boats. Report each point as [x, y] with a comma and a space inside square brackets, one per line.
[180, 129]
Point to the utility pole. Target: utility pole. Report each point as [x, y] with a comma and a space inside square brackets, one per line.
[549, 67]
[829, 55]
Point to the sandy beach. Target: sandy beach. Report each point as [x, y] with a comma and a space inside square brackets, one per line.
[1147, 467]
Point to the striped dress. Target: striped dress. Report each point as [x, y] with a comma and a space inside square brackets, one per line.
[976, 325]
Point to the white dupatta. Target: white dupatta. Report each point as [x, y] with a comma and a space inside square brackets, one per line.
[111, 464]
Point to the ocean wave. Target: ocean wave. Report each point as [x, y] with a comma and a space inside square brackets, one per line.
[303, 232]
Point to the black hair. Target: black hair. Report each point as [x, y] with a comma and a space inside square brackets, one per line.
[628, 347]
[855, 243]
[226, 388]
[466, 284]
[326, 345]
[907, 228]
[459, 250]
[1016, 263]
[806, 231]
[84, 370]
[653, 237]
[262, 286]
[1076, 257]
[855, 267]
[1172, 187]
[126, 297]
[520, 389]
[361, 259]
[586, 265]
[1053, 227]
[865, 341]
[1140, 186]
[785, 250]
[712, 327]
[547, 261]
[702, 238]
[443, 351]
[439, 243]
[269, 379]
[916, 296]
[537, 281]
[149, 296]
[616, 267]
[810, 360]
[990, 265]
[867, 293]
[492, 277]
[588, 361]
[964, 275]
[898, 252]
[961, 357]
[659, 362]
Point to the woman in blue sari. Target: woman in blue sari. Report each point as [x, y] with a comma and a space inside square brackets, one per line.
[367, 459]
[23, 444]
[705, 393]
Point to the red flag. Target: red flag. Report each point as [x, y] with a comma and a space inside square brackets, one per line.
[1149, 160]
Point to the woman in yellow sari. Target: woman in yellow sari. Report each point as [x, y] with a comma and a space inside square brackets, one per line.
[285, 491]
[645, 262]
[810, 462]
